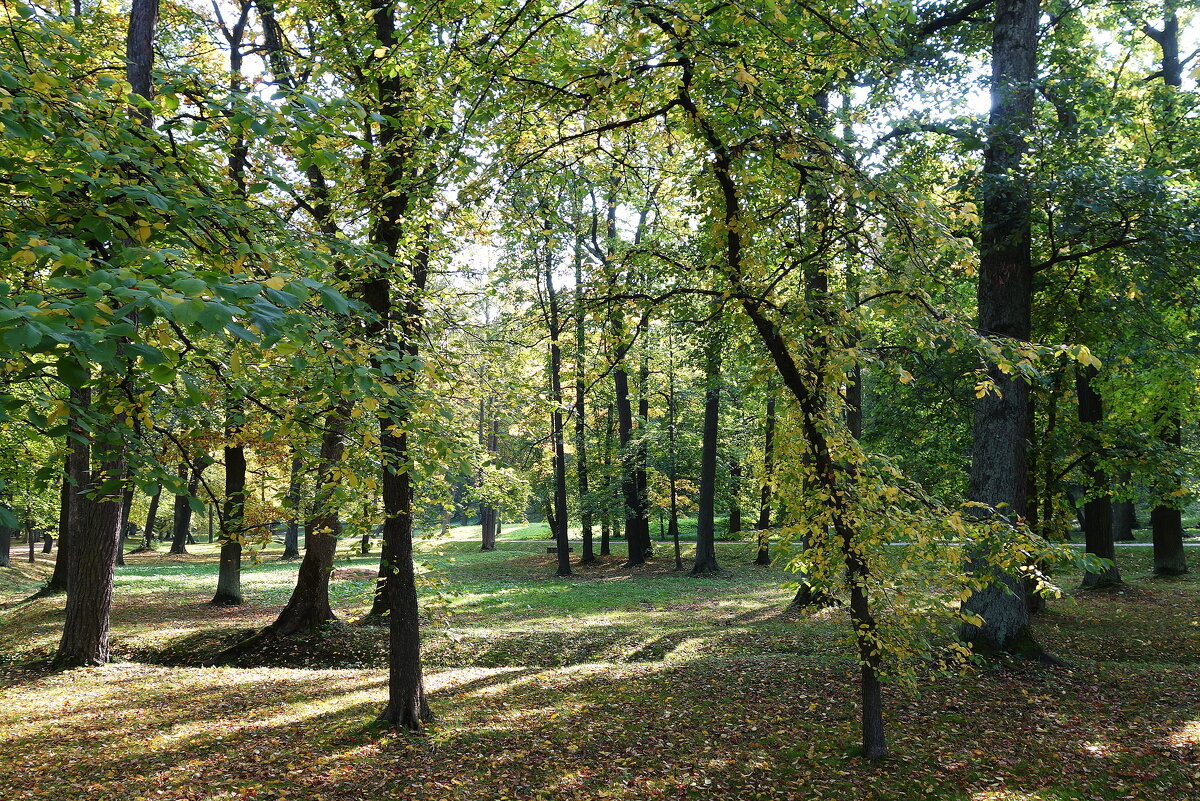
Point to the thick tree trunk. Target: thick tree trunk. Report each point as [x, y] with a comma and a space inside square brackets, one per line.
[1166, 522]
[139, 53]
[74, 483]
[229, 571]
[181, 513]
[1097, 509]
[1005, 297]
[89, 597]
[95, 533]
[308, 607]
[1124, 520]
[5, 546]
[706, 549]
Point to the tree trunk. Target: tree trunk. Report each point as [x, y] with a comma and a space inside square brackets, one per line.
[1097, 509]
[1166, 522]
[581, 465]
[763, 524]
[1124, 521]
[735, 503]
[1005, 297]
[94, 542]
[229, 572]
[5, 546]
[151, 518]
[291, 539]
[706, 549]
[641, 478]
[139, 53]
[308, 607]
[181, 513]
[606, 518]
[629, 490]
[74, 483]
[556, 419]
[487, 515]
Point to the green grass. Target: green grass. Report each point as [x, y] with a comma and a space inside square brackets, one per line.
[615, 683]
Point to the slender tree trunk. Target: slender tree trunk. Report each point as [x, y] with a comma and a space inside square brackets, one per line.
[556, 419]
[151, 518]
[233, 521]
[735, 503]
[605, 521]
[764, 501]
[487, 515]
[629, 489]
[672, 455]
[291, 539]
[641, 452]
[1005, 296]
[1097, 509]
[581, 464]
[181, 513]
[706, 549]
[406, 707]
[5, 546]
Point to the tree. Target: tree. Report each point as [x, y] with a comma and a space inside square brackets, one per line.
[1005, 296]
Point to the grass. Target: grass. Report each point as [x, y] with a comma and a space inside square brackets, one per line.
[617, 683]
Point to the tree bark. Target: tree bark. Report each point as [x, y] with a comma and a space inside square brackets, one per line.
[581, 464]
[1097, 509]
[96, 533]
[406, 707]
[1005, 297]
[308, 607]
[139, 53]
[1166, 522]
[232, 523]
[556, 419]
[5, 546]
[74, 483]
[151, 518]
[291, 539]
[706, 549]
[181, 512]
[763, 525]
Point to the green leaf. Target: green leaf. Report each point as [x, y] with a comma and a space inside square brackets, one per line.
[71, 372]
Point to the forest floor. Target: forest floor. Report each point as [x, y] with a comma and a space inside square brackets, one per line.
[614, 684]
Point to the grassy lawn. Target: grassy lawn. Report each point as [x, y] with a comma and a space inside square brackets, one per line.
[624, 684]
